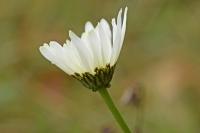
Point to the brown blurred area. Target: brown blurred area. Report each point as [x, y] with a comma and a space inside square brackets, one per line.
[161, 52]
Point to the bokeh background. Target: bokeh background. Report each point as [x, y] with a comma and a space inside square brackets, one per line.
[156, 84]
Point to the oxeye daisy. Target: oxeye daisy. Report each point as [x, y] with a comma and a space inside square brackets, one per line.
[92, 58]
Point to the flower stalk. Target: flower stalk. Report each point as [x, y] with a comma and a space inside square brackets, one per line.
[108, 100]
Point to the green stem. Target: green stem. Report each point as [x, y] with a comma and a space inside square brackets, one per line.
[108, 100]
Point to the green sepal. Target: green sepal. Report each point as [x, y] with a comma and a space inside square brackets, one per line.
[101, 78]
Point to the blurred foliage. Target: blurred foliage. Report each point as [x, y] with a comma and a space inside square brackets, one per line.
[161, 52]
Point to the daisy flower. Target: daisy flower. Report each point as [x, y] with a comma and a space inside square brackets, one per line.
[92, 57]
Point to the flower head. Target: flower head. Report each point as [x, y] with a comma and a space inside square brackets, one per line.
[92, 57]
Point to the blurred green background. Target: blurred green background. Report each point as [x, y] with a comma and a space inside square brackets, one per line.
[156, 84]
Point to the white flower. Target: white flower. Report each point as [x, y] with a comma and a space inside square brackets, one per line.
[95, 53]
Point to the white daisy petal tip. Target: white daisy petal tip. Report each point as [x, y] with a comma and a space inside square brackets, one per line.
[90, 58]
[89, 26]
[126, 8]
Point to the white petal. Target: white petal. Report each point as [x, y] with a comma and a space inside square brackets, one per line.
[116, 39]
[59, 53]
[104, 32]
[50, 55]
[119, 32]
[71, 59]
[95, 45]
[98, 32]
[114, 30]
[91, 47]
[88, 27]
[82, 51]
[47, 53]
[124, 25]
[119, 19]
[106, 28]
[116, 47]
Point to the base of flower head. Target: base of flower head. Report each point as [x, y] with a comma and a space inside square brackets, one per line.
[101, 78]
